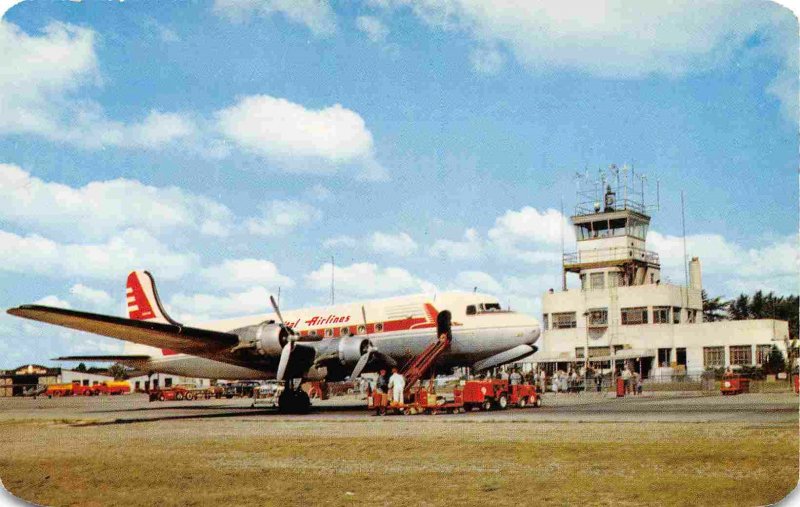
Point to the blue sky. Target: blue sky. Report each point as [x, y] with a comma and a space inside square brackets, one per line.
[233, 147]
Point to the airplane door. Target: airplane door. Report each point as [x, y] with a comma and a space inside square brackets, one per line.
[443, 321]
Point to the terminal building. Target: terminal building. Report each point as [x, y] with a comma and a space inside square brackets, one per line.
[623, 313]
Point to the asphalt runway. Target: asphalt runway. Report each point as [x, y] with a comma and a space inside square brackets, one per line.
[654, 407]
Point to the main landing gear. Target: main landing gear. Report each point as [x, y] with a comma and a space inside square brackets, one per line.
[293, 400]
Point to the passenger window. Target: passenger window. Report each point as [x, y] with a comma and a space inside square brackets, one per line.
[345, 331]
[471, 310]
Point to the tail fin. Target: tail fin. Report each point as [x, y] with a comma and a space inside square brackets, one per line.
[143, 302]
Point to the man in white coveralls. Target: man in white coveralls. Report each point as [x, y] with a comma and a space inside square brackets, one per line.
[397, 383]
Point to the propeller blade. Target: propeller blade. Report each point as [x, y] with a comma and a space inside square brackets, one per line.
[362, 362]
[277, 310]
[286, 353]
[364, 316]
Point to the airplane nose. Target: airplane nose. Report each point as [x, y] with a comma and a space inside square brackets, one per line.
[532, 334]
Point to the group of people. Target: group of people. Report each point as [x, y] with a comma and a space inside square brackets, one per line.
[632, 380]
[393, 384]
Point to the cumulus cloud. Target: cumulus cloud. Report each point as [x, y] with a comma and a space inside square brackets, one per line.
[340, 242]
[469, 280]
[619, 39]
[396, 244]
[375, 30]
[281, 217]
[103, 208]
[130, 249]
[521, 293]
[96, 297]
[531, 235]
[301, 140]
[38, 87]
[201, 307]
[735, 267]
[316, 15]
[245, 272]
[53, 301]
[367, 280]
[470, 248]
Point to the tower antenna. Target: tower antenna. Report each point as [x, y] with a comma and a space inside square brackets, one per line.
[563, 273]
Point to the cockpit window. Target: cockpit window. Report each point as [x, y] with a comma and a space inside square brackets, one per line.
[490, 307]
[471, 310]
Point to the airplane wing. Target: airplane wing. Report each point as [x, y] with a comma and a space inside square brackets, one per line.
[104, 359]
[188, 340]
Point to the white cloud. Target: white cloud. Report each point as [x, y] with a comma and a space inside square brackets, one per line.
[373, 28]
[340, 241]
[486, 60]
[619, 39]
[282, 217]
[316, 15]
[200, 307]
[96, 297]
[468, 280]
[531, 235]
[301, 140]
[366, 280]
[53, 301]
[245, 272]
[39, 78]
[130, 249]
[103, 208]
[397, 244]
[471, 248]
[774, 266]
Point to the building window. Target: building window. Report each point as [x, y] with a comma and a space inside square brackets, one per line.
[661, 315]
[597, 317]
[598, 280]
[664, 357]
[86, 382]
[545, 321]
[676, 315]
[137, 385]
[713, 357]
[762, 353]
[691, 316]
[633, 316]
[579, 352]
[564, 320]
[615, 279]
[168, 382]
[741, 354]
[583, 282]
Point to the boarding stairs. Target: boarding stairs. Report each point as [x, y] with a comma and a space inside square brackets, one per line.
[421, 365]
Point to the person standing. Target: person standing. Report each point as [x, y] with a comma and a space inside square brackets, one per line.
[381, 384]
[397, 383]
[515, 378]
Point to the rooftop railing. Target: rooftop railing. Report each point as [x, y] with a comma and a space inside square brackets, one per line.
[610, 255]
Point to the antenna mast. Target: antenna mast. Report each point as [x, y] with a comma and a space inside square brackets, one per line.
[333, 267]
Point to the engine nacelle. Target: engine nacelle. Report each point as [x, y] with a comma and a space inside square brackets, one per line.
[267, 339]
[351, 348]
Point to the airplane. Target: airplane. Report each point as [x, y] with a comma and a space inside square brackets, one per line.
[330, 342]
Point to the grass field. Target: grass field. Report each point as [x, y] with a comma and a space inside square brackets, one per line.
[403, 460]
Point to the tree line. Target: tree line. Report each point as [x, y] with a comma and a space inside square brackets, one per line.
[757, 306]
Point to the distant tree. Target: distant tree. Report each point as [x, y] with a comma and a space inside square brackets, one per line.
[739, 308]
[714, 309]
[758, 306]
[81, 367]
[117, 371]
[775, 361]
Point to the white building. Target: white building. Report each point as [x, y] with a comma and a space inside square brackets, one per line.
[623, 312]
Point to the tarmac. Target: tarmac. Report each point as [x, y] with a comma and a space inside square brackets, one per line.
[690, 407]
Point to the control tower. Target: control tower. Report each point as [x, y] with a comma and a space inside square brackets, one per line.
[611, 221]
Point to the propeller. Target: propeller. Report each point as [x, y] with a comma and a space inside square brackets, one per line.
[286, 352]
[364, 359]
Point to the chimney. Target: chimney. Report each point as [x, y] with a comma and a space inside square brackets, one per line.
[695, 276]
